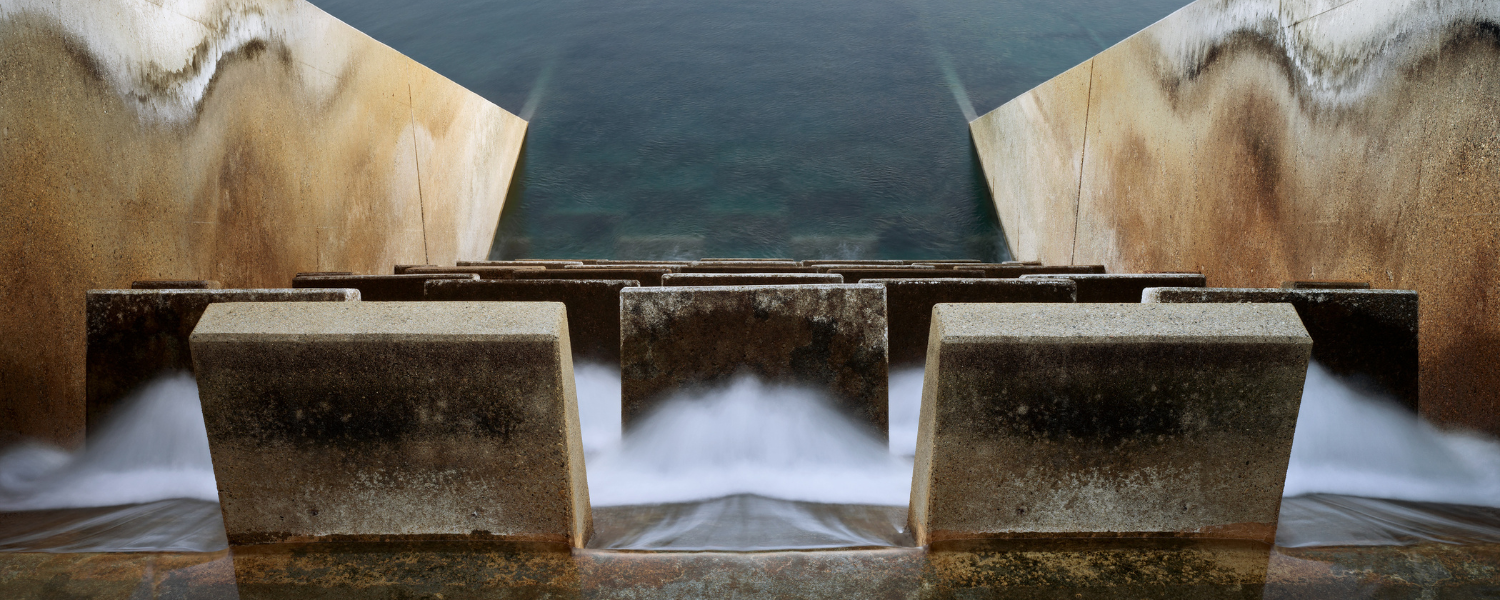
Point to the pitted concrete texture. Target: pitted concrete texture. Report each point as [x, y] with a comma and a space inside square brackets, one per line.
[857, 275]
[482, 272]
[1013, 271]
[700, 279]
[378, 288]
[1123, 287]
[1366, 336]
[671, 268]
[1325, 285]
[135, 335]
[909, 305]
[593, 307]
[646, 276]
[828, 337]
[746, 268]
[825, 268]
[393, 420]
[943, 261]
[871, 262]
[749, 260]
[1107, 420]
[550, 264]
[175, 284]
[397, 270]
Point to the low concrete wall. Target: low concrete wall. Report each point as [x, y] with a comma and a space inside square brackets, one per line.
[593, 307]
[1369, 336]
[648, 277]
[1047, 420]
[238, 141]
[909, 305]
[1261, 141]
[380, 288]
[1120, 287]
[699, 279]
[393, 420]
[829, 337]
[135, 335]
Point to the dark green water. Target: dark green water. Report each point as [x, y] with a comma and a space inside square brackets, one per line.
[801, 128]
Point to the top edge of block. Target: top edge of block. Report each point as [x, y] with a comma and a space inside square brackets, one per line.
[1152, 292]
[1120, 323]
[269, 321]
[311, 292]
[727, 288]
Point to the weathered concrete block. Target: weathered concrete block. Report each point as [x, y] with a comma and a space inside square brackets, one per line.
[851, 262]
[401, 269]
[550, 264]
[746, 268]
[482, 272]
[1325, 285]
[1122, 419]
[1123, 287]
[651, 276]
[593, 307]
[909, 305]
[176, 284]
[1369, 336]
[702, 279]
[135, 335]
[671, 268]
[829, 337]
[1012, 271]
[393, 420]
[858, 275]
[733, 260]
[943, 261]
[378, 288]
[902, 267]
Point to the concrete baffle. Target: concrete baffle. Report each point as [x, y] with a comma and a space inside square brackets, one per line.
[393, 420]
[1368, 337]
[136, 335]
[175, 284]
[646, 276]
[828, 337]
[856, 275]
[1122, 287]
[406, 287]
[1059, 420]
[706, 279]
[909, 305]
[593, 307]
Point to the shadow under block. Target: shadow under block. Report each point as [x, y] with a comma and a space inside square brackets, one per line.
[828, 337]
[136, 335]
[1048, 420]
[379, 288]
[393, 420]
[1366, 336]
[1122, 287]
[593, 307]
[703, 279]
[909, 305]
[648, 277]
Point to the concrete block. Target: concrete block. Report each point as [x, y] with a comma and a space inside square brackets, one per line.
[829, 337]
[1123, 287]
[746, 268]
[824, 268]
[135, 335]
[670, 267]
[524, 262]
[857, 275]
[393, 420]
[322, 273]
[909, 305]
[1012, 271]
[482, 272]
[1325, 285]
[378, 288]
[775, 260]
[1368, 336]
[943, 261]
[1059, 420]
[703, 279]
[815, 263]
[401, 269]
[176, 284]
[593, 307]
[646, 276]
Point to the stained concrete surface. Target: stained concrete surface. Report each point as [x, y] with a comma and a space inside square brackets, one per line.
[482, 272]
[232, 141]
[133, 336]
[406, 287]
[1368, 337]
[857, 275]
[909, 305]
[691, 279]
[393, 420]
[647, 277]
[1155, 420]
[829, 337]
[1258, 142]
[593, 307]
[1122, 287]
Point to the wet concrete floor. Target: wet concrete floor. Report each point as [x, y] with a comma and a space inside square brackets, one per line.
[1020, 569]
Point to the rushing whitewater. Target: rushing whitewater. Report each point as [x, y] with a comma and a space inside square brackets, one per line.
[154, 448]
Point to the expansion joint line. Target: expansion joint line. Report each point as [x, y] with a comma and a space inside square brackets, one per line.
[1088, 107]
[416, 159]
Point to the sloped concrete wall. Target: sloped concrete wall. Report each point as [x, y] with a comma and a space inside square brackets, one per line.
[1266, 140]
[236, 140]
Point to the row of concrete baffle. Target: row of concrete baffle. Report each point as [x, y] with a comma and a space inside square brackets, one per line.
[439, 403]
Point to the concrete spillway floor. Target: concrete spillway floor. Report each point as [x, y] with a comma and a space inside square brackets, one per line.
[1028, 569]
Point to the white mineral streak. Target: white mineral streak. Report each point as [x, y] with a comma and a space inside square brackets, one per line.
[1339, 51]
[161, 58]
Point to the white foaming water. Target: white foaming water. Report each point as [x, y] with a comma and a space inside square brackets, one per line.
[1351, 444]
[154, 448]
[905, 410]
[746, 438]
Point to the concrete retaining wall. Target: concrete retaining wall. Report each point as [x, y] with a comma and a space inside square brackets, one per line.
[1261, 141]
[239, 141]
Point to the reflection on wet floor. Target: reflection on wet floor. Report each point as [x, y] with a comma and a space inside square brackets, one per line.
[180, 525]
[748, 523]
[1331, 520]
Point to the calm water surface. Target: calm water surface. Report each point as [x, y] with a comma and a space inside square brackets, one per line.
[809, 128]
